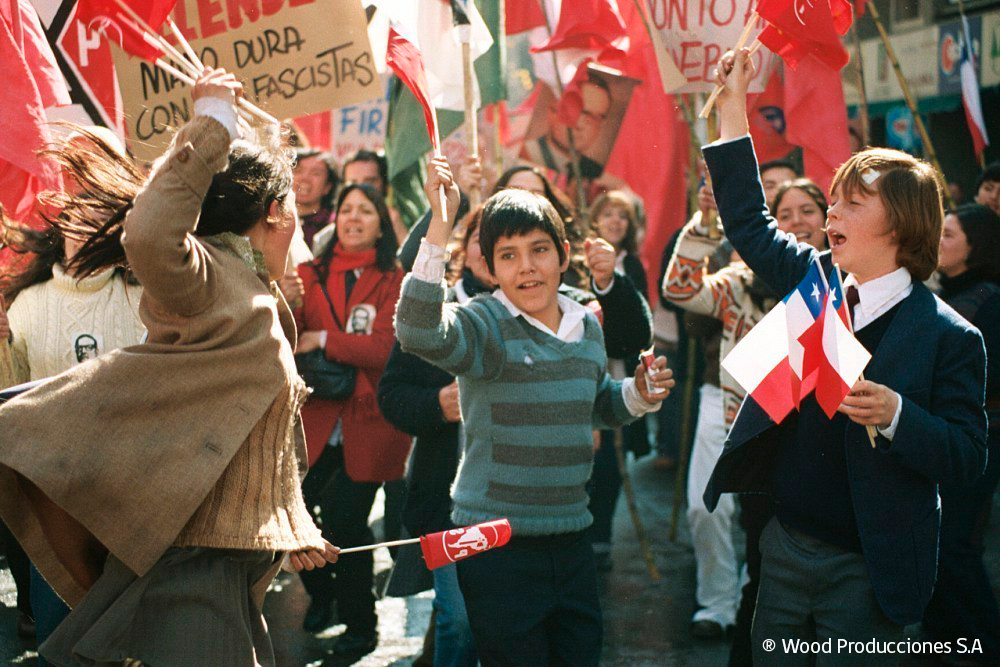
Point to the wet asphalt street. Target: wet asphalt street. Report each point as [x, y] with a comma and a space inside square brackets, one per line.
[645, 622]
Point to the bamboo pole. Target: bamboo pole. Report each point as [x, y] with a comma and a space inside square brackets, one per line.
[633, 508]
[471, 121]
[907, 94]
[740, 43]
[684, 447]
[863, 102]
[497, 141]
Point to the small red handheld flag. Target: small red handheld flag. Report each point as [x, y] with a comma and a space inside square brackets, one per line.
[799, 28]
[405, 60]
[449, 546]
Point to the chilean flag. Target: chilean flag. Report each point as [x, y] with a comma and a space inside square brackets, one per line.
[769, 361]
[803, 310]
[970, 92]
[843, 358]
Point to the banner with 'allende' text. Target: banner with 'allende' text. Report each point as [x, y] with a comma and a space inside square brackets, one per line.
[294, 57]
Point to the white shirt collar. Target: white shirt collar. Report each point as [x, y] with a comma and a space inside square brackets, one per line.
[571, 326]
[879, 295]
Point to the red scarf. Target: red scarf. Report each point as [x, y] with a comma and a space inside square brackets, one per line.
[340, 263]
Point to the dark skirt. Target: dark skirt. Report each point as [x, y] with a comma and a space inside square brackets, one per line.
[194, 607]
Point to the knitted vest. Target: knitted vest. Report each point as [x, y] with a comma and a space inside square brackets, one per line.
[529, 405]
[257, 502]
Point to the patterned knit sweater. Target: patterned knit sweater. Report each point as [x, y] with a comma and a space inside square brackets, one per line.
[529, 403]
[724, 295]
[257, 503]
[62, 322]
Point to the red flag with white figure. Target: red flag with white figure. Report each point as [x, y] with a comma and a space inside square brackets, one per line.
[816, 119]
[405, 60]
[450, 546]
[799, 28]
[113, 18]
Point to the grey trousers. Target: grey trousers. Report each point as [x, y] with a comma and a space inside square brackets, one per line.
[819, 598]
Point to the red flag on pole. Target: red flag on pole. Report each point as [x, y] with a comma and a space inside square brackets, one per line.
[816, 119]
[585, 24]
[29, 87]
[109, 17]
[799, 28]
[766, 115]
[406, 62]
[523, 15]
[449, 546]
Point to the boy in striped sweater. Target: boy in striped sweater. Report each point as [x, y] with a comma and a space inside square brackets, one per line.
[532, 385]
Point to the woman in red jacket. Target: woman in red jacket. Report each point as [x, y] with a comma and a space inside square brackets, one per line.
[350, 293]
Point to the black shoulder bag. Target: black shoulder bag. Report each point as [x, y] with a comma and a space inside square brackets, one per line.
[329, 380]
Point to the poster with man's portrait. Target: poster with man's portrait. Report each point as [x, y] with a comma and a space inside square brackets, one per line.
[361, 319]
[600, 100]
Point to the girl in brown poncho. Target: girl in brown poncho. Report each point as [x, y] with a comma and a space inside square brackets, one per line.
[162, 480]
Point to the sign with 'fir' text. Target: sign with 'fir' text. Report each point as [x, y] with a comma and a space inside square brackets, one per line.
[294, 57]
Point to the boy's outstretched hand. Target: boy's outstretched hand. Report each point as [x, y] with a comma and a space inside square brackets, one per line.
[660, 378]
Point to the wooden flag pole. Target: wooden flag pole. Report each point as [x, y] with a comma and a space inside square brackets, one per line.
[184, 44]
[497, 140]
[633, 508]
[471, 119]
[684, 446]
[373, 547]
[907, 95]
[687, 391]
[740, 43]
[863, 103]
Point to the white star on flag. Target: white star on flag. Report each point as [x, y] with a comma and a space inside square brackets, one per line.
[815, 293]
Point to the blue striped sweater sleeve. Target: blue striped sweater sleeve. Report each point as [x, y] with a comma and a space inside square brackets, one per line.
[462, 340]
[609, 406]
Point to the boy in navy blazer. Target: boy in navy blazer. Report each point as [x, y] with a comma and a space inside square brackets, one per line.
[851, 554]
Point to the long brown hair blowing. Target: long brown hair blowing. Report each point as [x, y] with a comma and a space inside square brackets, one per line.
[238, 198]
[105, 181]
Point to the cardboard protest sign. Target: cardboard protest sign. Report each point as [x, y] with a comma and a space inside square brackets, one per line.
[697, 33]
[293, 56]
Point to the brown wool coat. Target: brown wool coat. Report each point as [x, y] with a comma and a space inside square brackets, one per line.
[131, 443]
